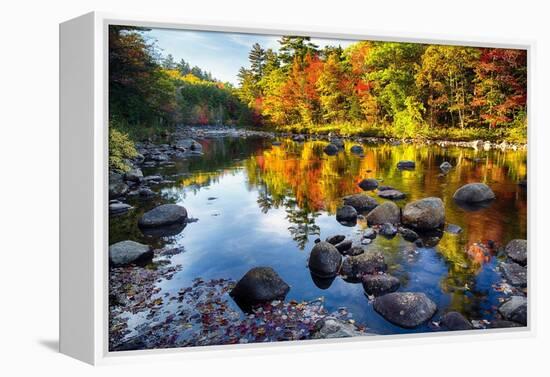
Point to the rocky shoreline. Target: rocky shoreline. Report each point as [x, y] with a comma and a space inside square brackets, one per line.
[201, 314]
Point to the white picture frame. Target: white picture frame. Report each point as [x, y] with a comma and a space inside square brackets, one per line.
[84, 195]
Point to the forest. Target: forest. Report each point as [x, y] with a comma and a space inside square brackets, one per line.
[382, 89]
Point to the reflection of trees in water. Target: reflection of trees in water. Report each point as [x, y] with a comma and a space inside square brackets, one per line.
[302, 219]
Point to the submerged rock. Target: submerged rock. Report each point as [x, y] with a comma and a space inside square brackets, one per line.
[259, 284]
[360, 202]
[445, 167]
[368, 184]
[405, 309]
[474, 193]
[406, 165]
[516, 250]
[391, 194]
[424, 214]
[330, 327]
[163, 215]
[128, 252]
[388, 230]
[387, 212]
[119, 208]
[515, 309]
[454, 321]
[453, 229]
[346, 214]
[324, 260]
[379, 284]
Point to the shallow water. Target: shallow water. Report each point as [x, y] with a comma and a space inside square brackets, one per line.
[264, 205]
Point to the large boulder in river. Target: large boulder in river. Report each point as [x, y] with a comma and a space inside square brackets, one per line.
[454, 321]
[368, 184]
[336, 239]
[515, 309]
[360, 202]
[324, 260]
[405, 309]
[163, 215]
[346, 214]
[474, 193]
[117, 187]
[424, 214]
[260, 284]
[516, 250]
[134, 175]
[379, 284]
[387, 212]
[128, 252]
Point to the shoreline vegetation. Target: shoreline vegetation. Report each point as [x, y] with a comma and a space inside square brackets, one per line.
[369, 89]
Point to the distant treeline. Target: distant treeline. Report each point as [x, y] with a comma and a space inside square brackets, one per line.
[147, 91]
[407, 88]
[371, 88]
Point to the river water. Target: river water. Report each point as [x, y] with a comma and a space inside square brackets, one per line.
[260, 204]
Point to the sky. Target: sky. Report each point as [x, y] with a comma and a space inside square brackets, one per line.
[220, 53]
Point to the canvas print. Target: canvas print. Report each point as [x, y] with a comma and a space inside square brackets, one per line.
[267, 188]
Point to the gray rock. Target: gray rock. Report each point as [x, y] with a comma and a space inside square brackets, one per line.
[408, 234]
[360, 202]
[454, 321]
[453, 229]
[474, 193]
[388, 230]
[445, 167]
[163, 215]
[502, 324]
[119, 208]
[391, 194]
[146, 192]
[516, 250]
[336, 239]
[385, 213]
[515, 309]
[331, 328]
[406, 165]
[405, 309]
[343, 246]
[371, 262]
[380, 284]
[346, 214]
[331, 149]
[324, 260]
[515, 274]
[424, 214]
[357, 149]
[384, 188]
[260, 284]
[153, 178]
[134, 175]
[368, 184]
[117, 189]
[124, 253]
